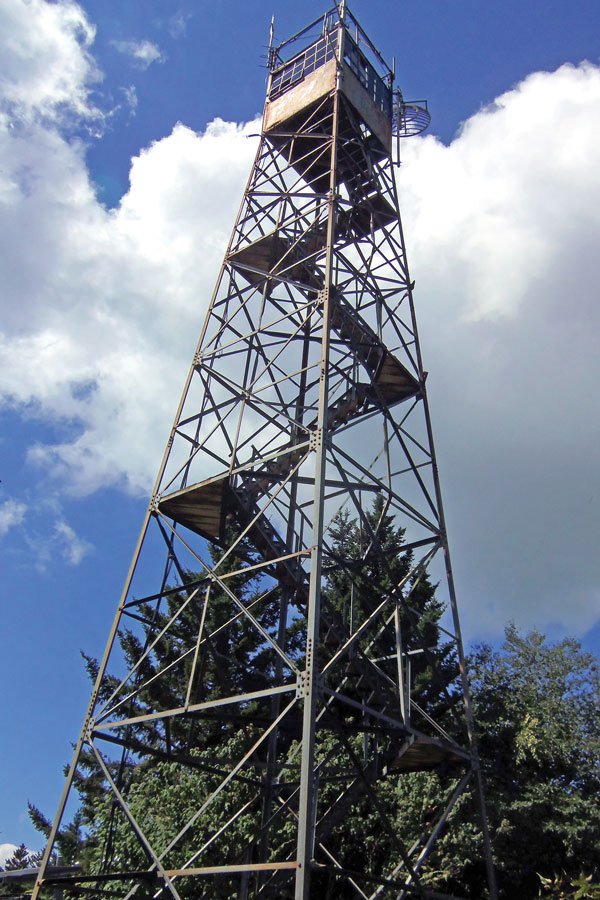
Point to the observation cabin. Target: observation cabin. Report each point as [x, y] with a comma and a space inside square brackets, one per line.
[333, 52]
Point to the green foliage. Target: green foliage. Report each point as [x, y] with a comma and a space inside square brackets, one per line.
[563, 888]
[536, 705]
[163, 797]
[366, 570]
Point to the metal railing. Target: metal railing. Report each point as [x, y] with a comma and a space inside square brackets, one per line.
[378, 90]
[321, 51]
[303, 64]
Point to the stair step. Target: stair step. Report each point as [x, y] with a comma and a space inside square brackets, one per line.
[272, 256]
[391, 381]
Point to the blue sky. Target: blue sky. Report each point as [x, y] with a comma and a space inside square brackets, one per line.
[108, 264]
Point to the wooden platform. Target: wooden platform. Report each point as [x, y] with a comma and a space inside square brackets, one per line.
[272, 256]
[199, 507]
[427, 754]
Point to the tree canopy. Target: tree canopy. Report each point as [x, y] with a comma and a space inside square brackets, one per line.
[535, 702]
[537, 705]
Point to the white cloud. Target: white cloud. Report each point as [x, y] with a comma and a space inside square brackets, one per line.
[131, 98]
[12, 513]
[501, 230]
[73, 548]
[520, 172]
[102, 318]
[142, 53]
[177, 24]
[110, 304]
[107, 306]
[50, 541]
[46, 70]
[6, 851]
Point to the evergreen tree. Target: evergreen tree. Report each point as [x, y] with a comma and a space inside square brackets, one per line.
[368, 562]
[362, 571]
[22, 858]
[536, 705]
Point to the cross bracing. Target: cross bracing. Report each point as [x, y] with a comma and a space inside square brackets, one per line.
[270, 676]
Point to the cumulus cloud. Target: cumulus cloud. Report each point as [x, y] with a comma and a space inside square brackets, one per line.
[501, 228]
[46, 70]
[102, 318]
[109, 305]
[6, 852]
[142, 53]
[12, 513]
[109, 299]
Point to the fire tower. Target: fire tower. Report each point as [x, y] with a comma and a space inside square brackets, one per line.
[274, 676]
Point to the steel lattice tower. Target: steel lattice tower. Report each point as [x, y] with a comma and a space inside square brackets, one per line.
[254, 666]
